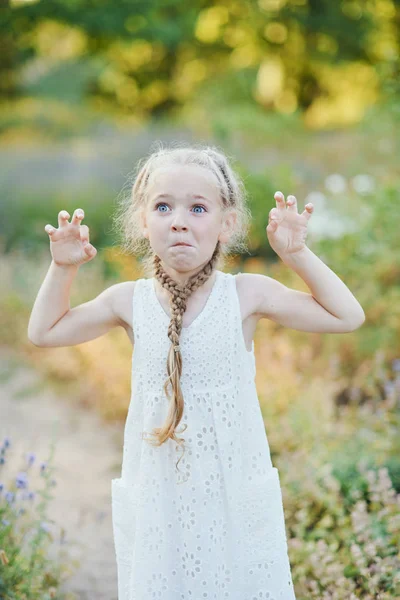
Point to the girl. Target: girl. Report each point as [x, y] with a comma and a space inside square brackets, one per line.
[207, 524]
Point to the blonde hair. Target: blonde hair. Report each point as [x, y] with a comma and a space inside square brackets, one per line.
[128, 226]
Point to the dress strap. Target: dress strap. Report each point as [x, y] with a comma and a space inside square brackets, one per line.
[138, 303]
[237, 319]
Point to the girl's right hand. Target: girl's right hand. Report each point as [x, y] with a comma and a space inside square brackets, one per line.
[69, 244]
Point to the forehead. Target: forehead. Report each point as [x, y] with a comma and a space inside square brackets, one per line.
[183, 180]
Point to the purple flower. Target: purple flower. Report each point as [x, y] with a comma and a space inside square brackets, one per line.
[5, 522]
[43, 465]
[44, 526]
[6, 442]
[21, 480]
[396, 364]
[31, 458]
[2, 460]
[9, 496]
[388, 387]
[1, 487]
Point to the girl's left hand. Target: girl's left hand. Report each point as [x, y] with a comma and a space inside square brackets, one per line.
[287, 230]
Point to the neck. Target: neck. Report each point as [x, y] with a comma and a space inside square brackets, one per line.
[183, 281]
[182, 278]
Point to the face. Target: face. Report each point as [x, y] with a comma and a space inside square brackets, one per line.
[183, 205]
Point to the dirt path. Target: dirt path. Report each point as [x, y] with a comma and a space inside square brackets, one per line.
[87, 456]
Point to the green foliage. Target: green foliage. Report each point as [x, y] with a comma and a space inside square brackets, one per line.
[68, 81]
[369, 261]
[305, 36]
[345, 547]
[27, 572]
[22, 222]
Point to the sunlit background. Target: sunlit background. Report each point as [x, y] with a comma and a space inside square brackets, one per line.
[304, 95]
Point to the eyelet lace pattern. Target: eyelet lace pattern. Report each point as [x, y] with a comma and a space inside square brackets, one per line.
[212, 529]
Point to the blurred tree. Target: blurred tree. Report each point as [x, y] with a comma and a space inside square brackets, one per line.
[150, 57]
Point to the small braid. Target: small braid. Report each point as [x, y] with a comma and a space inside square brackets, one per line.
[179, 295]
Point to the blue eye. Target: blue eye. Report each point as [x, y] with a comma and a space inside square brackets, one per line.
[165, 204]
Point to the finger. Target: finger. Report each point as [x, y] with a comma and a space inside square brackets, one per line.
[272, 226]
[90, 250]
[50, 230]
[84, 232]
[280, 201]
[273, 216]
[307, 212]
[77, 216]
[274, 213]
[291, 203]
[63, 217]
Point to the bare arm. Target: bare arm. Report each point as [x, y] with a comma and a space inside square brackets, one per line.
[53, 323]
[296, 309]
[52, 301]
[330, 307]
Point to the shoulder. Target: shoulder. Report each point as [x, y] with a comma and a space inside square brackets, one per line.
[258, 293]
[246, 290]
[120, 296]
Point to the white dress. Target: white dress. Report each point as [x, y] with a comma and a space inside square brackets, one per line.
[215, 528]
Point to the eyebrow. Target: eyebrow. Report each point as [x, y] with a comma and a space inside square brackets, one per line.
[194, 196]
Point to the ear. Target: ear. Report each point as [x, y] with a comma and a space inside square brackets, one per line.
[227, 226]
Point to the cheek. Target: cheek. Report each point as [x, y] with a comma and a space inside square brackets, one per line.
[155, 221]
[212, 225]
[207, 231]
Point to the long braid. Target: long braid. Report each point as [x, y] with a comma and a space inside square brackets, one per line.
[130, 219]
[178, 301]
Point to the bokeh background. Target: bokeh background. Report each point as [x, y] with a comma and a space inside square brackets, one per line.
[304, 95]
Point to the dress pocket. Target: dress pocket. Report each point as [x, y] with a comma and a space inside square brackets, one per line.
[261, 520]
[123, 503]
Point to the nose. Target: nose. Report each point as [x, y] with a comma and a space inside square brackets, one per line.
[178, 223]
